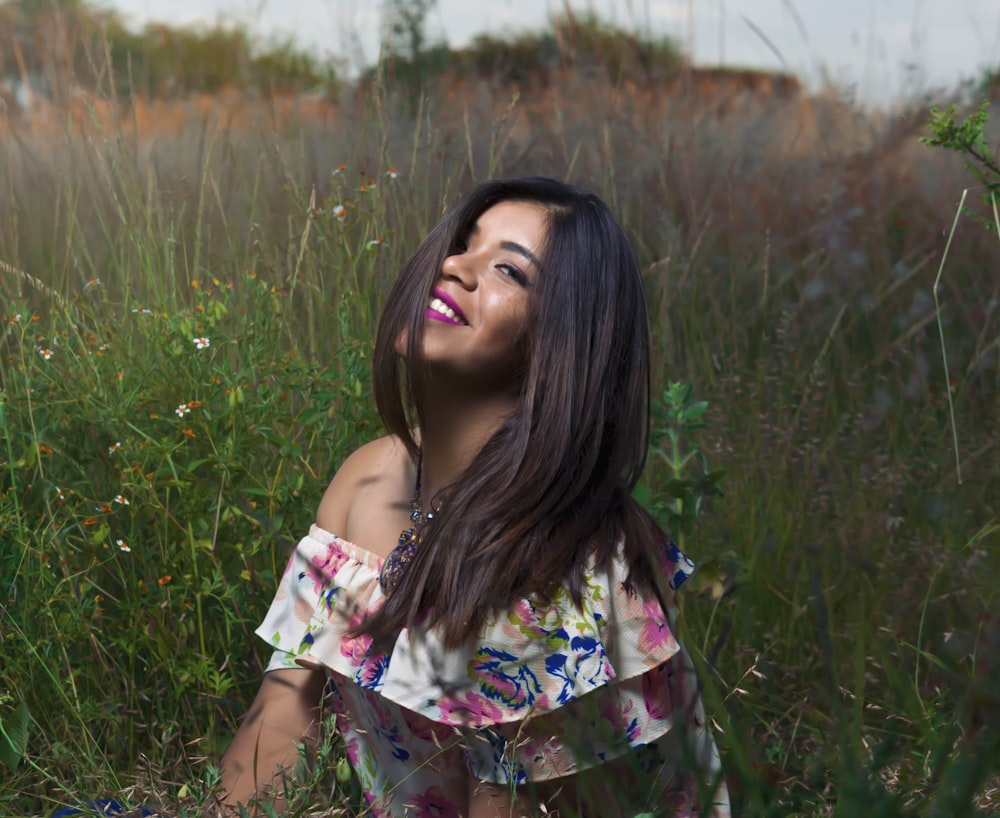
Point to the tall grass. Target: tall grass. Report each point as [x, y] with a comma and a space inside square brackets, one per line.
[185, 329]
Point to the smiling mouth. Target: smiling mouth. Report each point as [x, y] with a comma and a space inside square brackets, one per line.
[442, 308]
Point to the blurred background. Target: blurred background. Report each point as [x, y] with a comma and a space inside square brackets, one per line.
[877, 50]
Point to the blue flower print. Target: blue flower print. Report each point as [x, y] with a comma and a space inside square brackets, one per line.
[503, 678]
[685, 567]
[589, 665]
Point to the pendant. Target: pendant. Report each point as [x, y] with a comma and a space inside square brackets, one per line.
[399, 558]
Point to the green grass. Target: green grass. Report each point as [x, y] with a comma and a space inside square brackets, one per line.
[791, 246]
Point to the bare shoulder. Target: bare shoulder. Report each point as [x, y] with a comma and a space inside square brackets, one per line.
[380, 468]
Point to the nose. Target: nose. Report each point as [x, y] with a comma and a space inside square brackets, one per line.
[459, 268]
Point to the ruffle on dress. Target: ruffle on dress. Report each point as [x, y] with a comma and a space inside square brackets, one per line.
[569, 686]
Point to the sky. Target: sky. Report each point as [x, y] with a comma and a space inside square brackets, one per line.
[879, 51]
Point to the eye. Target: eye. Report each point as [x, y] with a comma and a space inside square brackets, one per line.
[460, 246]
[514, 273]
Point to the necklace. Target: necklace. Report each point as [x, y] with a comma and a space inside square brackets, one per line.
[409, 541]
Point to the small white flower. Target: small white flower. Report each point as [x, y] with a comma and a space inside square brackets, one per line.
[182, 410]
[202, 343]
[340, 212]
[45, 353]
[377, 242]
[121, 500]
[392, 173]
[122, 545]
[142, 311]
[114, 448]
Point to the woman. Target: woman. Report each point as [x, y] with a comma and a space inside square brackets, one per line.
[485, 602]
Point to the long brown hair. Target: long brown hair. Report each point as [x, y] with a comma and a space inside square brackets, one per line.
[551, 490]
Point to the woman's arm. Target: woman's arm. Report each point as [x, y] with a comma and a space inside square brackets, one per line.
[524, 801]
[490, 800]
[563, 796]
[285, 712]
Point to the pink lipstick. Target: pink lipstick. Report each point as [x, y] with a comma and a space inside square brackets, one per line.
[442, 307]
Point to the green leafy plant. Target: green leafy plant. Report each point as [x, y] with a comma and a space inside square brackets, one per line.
[690, 481]
[14, 725]
[681, 482]
[968, 138]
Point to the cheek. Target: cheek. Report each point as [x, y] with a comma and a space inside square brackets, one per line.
[519, 326]
[516, 338]
[513, 316]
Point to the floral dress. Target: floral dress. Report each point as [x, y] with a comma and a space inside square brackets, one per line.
[544, 690]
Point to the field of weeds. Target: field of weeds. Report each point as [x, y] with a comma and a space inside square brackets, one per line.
[187, 303]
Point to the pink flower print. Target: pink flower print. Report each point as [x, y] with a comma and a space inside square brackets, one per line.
[522, 613]
[655, 636]
[472, 709]
[369, 667]
[620, 723]
[525, 621]
[351, 745]
[434, 804]
[325, 568]
[374, 810]
[355, 648]
[659, 690]
[522, 621]
[423, 728]
[372, 670]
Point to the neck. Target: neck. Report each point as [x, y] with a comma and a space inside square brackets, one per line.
[456, 425]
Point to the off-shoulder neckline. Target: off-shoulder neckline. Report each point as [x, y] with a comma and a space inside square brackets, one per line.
[358, 552]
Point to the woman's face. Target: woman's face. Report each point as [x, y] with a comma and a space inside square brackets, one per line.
[477, 316]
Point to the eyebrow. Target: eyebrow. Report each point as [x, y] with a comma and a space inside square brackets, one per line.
[513, 247]
[520, 249]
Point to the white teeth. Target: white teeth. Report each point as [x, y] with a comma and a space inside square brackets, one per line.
[439, 306]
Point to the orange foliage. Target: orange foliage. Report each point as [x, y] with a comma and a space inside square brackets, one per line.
[159, 118]
[718, 89]
[716, 82]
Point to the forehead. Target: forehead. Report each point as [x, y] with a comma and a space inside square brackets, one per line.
[524, 222]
